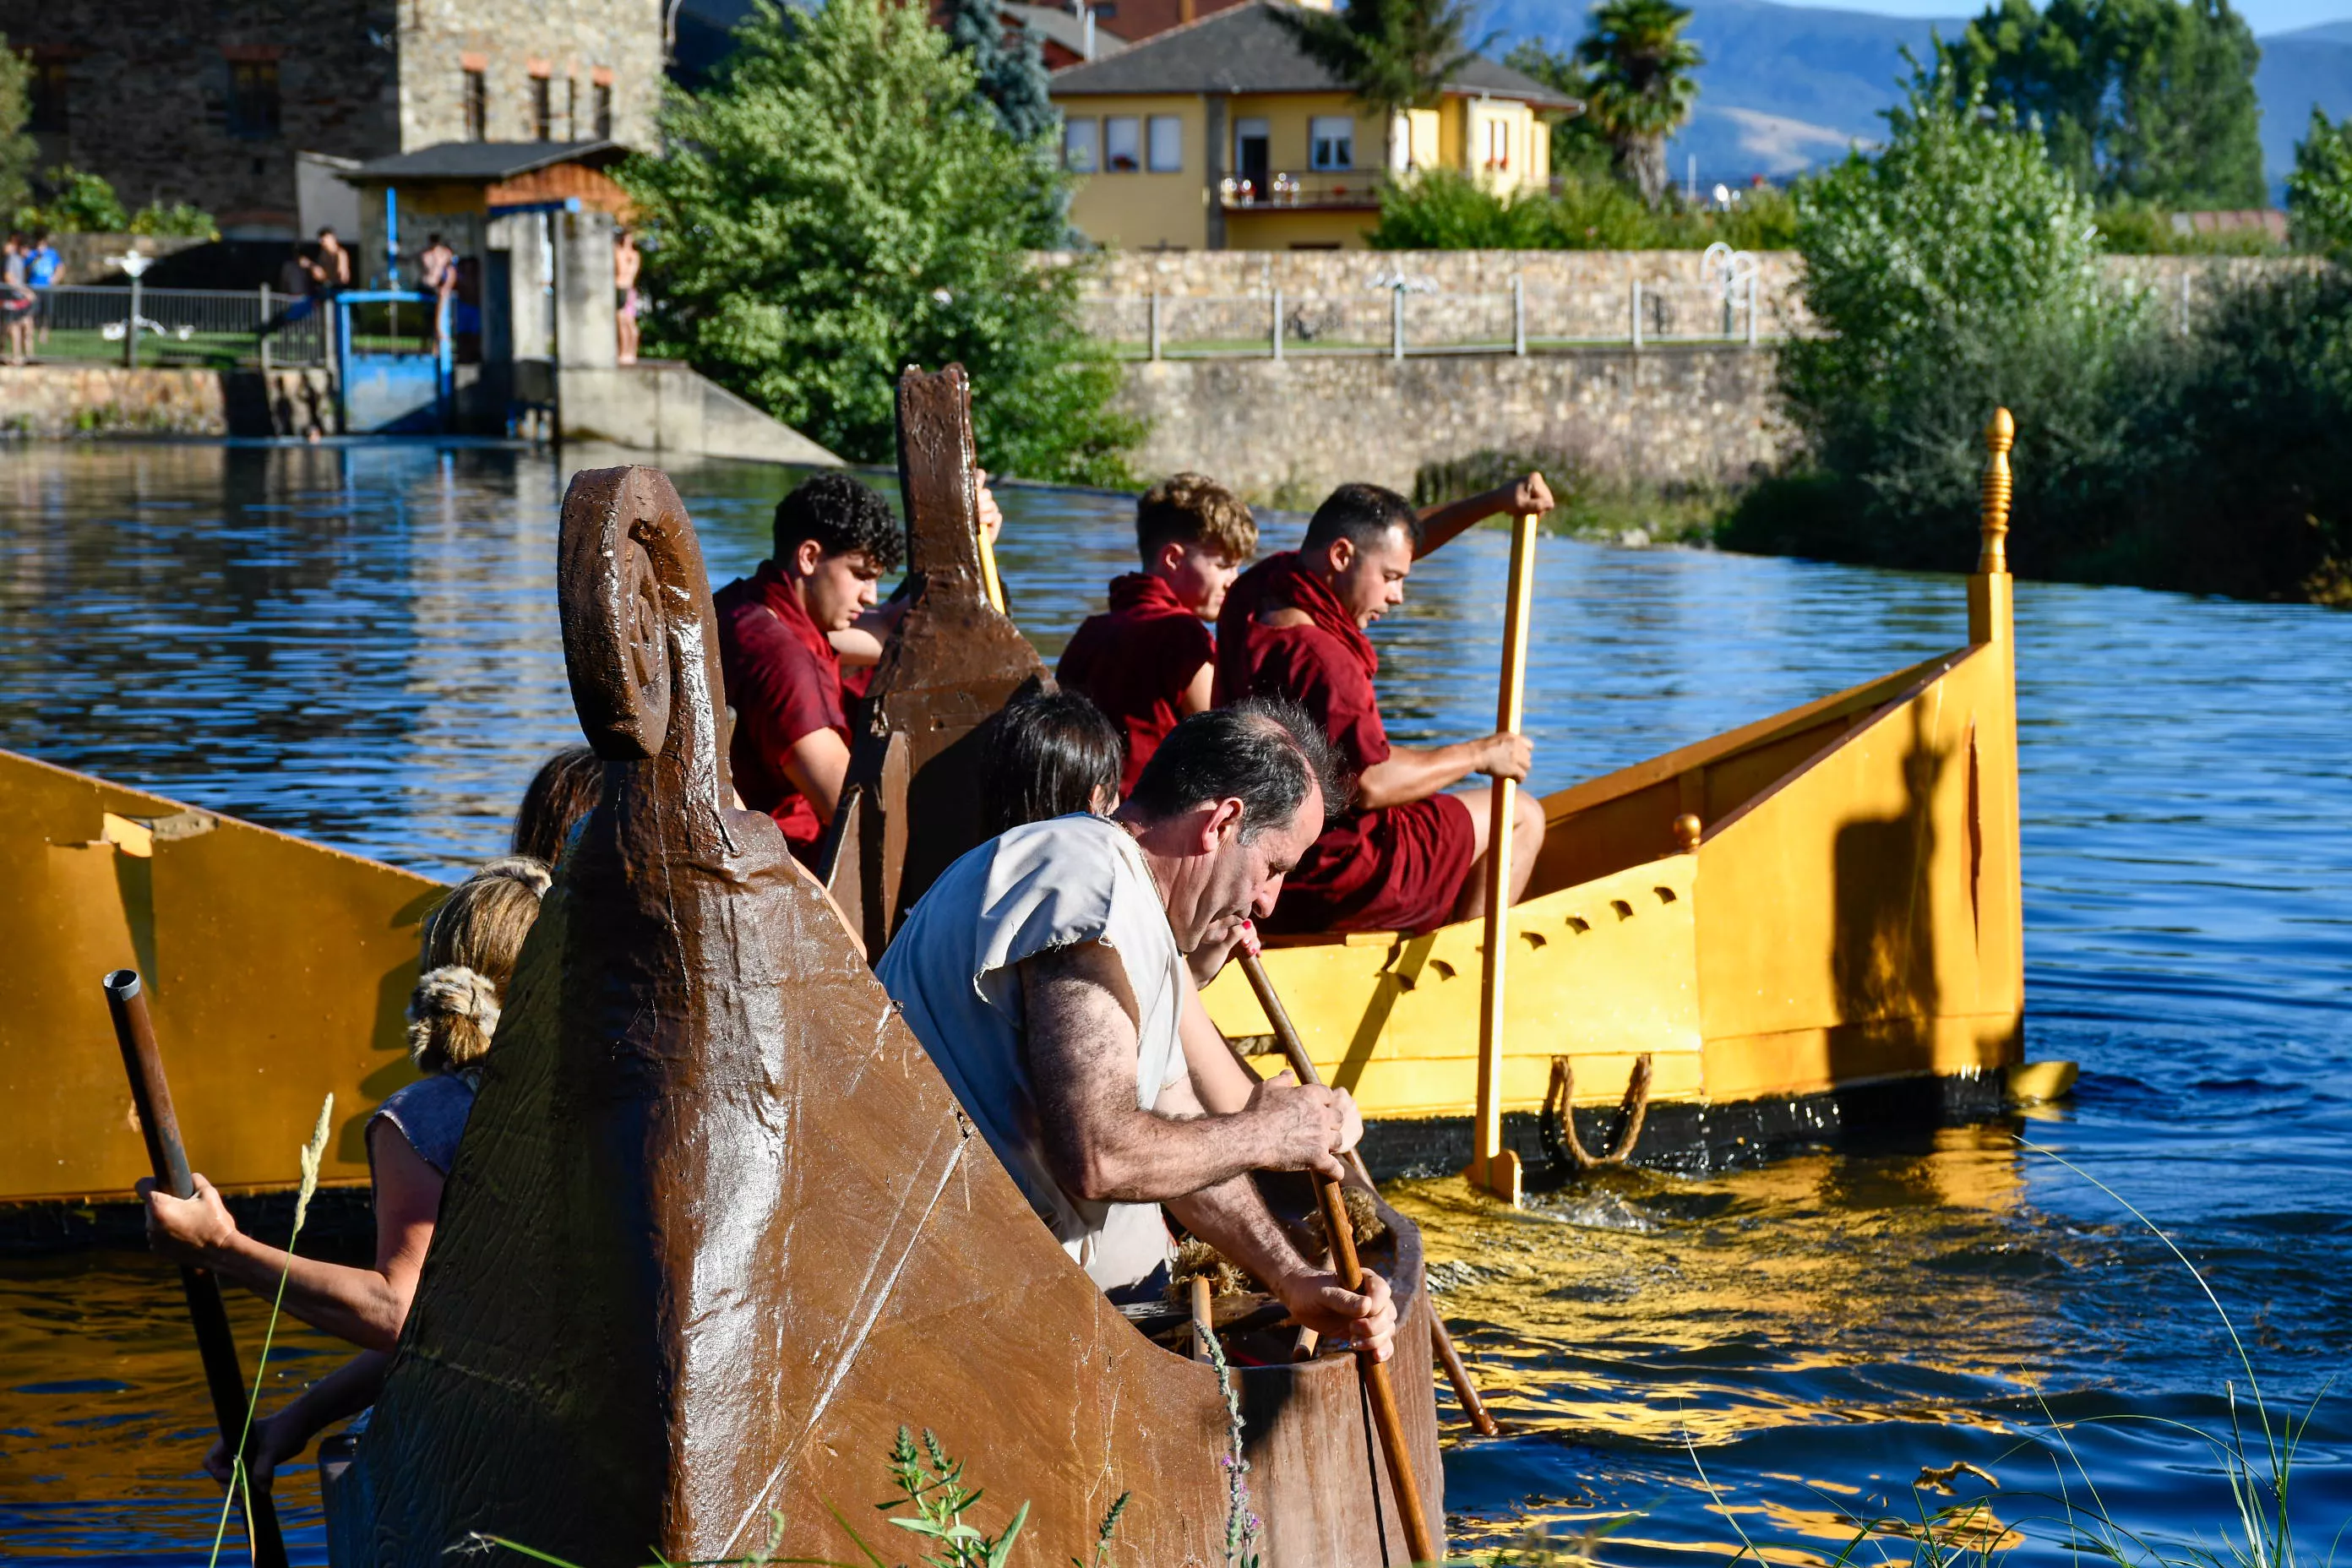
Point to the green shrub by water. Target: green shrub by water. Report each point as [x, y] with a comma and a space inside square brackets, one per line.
[1959, 271]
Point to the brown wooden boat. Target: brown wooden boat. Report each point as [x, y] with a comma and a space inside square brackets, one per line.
[718, 1227]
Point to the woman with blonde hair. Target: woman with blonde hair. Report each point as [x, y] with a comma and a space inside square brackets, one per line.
[471, 941]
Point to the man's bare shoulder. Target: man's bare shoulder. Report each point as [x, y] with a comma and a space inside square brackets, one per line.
[1070, 976]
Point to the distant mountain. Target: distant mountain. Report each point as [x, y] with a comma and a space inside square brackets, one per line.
[1787, 88]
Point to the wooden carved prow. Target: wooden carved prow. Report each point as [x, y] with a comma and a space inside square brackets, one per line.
[951, 665]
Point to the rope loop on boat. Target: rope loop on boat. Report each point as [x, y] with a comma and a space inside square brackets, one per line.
[1559, 1122]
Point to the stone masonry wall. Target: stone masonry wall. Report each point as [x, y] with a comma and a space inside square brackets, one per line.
[1287, 432]
[1459, 297]
[59, 400]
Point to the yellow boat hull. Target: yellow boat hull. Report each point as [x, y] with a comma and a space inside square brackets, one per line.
[278, 970]
[1852, 915]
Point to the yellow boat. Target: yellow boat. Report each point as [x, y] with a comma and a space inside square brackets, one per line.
[1785, 922]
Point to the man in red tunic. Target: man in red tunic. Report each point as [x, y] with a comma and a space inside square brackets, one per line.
[1150, 660]
[1408, 857]
[790, 746]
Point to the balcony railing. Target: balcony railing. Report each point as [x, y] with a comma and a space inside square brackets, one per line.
[1327, 190]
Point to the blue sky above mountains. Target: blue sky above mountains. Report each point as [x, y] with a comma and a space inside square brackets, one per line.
[1790, 87]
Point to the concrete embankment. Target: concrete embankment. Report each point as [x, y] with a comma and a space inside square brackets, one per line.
[1286, 431]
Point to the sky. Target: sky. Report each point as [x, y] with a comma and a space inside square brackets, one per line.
[2263, 16]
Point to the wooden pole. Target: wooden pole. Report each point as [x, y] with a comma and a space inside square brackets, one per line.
[160, 1124]
[1302, 1066]
[1493, 1167]
[1386, 1418]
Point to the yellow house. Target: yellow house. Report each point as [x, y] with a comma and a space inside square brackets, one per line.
[1223, 134]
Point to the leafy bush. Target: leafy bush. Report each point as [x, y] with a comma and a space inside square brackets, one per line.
[75, 200]
[837, 205]
[1956, 272]
[180, 217]
[17, 149]
[1442, 209]
[2319, 192]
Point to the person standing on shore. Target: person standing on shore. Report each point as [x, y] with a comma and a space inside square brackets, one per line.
[16, 298]
[628, 261]
[436, 274]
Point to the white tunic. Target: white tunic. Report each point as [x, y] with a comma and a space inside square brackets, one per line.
[950, 969]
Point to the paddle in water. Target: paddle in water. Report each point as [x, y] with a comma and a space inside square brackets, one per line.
[159, 1123]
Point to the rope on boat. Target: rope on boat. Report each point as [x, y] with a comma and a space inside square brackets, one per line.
[1559, 1122]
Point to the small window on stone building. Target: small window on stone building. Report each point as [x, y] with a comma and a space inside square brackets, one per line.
[571, 109]
[478, 106]
[1165, 141]
[1081, 145]
[1331, 141]
[605, 111]
[1122, 144]
[543, 110]
[47, 90]
[253, 98]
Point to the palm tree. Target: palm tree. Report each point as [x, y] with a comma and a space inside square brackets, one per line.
[1640, 88]
[1394, 55]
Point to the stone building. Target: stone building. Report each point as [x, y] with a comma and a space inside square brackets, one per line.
[216, 102]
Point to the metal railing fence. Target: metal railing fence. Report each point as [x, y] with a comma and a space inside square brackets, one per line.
[1404, 319]
[219, 328]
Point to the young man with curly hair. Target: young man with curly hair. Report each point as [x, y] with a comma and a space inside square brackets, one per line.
[834, 537]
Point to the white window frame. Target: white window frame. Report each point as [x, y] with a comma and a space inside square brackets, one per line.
[1163, 133]
[1082, 144]
[1327, 146]
[1118, 129]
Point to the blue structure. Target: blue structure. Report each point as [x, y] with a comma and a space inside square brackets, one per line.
[391, 392]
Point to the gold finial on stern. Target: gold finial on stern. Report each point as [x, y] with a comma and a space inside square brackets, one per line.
[2000, 435]
[1688, 830]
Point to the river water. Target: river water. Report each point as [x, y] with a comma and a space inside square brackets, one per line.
[359, 646]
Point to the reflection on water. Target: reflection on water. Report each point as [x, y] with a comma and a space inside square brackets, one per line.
[361, 646]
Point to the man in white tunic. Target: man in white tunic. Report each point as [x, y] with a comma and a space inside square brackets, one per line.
[1045, 973]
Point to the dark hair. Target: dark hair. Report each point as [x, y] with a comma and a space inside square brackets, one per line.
[1193, 509]
[1362, 513]
[564, 790]
[326, 231]
[1263, 750]
[1049, 753]
[841, 515]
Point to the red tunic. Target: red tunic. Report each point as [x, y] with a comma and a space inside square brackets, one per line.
[1400, 868]
[1135, 661]
[783, 682]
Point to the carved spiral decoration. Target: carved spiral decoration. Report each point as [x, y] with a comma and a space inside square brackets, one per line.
[620, 627]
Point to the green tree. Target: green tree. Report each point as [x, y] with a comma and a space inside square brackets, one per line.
[836, 205]
[1394, 55]
[2146, 99]
[1641, 88]
[1954, 271]
[1012, 75]
[74, 201]
[17, 149]
[2319, 192]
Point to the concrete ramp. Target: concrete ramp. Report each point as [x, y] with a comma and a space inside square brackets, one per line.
[665, 407]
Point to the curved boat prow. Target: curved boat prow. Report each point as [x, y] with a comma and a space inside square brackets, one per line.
[718, 1229]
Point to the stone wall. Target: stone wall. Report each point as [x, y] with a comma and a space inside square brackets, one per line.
[59, 400]
[1463, 297]
[1287, 432]
[571, 43]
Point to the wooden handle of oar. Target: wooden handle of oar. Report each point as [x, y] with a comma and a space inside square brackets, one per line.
[159, 1123]
[1386, 1418]
[1302, 1066]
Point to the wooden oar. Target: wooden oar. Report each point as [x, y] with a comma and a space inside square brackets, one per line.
[1341, 1232]
[1302, 1066]
[1493, 1167]
[152, 1094]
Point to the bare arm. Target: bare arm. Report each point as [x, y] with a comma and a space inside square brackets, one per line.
[1082, 1046]
[1220, 1082]
[1200, 691]
[342, 1393]
[1231, 1217]
[859, 644]
[1520, 497]
[1416, 773]
[817, 765]
[365, 1306]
